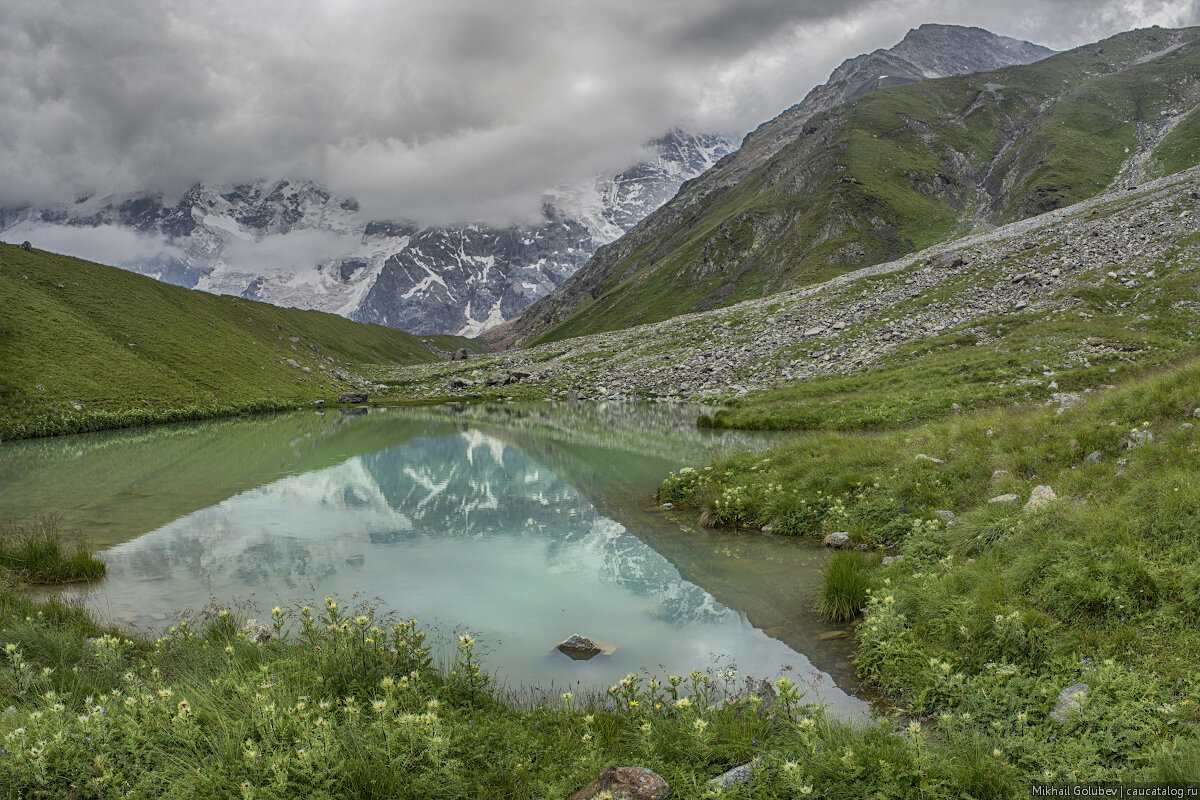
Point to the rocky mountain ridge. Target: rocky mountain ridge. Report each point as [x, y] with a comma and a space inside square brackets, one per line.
[1125, 255]
[293, 243]
[890, 172]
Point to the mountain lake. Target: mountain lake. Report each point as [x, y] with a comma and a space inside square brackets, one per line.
[521, 525]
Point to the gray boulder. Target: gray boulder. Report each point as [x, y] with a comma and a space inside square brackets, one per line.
[1040, 497]
[460, 383]
[1069, 699]
[736, 776]
[255, 632]
[27, 247]
[838, 539]
[1094, 457]
[1138, 438]
[499, 379]
[460, 354]
[1066, 400]
[1005, 498]
[352, 397]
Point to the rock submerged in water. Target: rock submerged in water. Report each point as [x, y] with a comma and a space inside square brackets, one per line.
[626, 783]
[579, 647]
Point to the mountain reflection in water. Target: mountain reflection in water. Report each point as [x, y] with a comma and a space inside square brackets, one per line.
[526, 525]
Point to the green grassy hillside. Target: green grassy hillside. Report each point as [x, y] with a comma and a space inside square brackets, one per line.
[995, 607]
[87, 346]
[894, 171]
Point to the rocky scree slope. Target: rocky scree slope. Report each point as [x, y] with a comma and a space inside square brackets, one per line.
[293, 243]
[894, 170]
[1112, 278]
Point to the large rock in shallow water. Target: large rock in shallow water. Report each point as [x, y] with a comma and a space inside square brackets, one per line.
[626, 783]
[839, 539]
[579, 647]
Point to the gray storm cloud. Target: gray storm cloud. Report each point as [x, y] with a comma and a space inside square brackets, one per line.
[460, 110]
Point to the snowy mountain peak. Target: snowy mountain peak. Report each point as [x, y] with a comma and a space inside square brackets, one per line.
[293, 243]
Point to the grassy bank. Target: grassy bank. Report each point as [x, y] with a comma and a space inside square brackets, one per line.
[88, 347]
[995, 606]
[340, 704]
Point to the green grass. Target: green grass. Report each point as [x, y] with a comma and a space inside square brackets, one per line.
[38, 552]
[981, 623]
[349, 703]
[874, 180]
[845, 581]
[89, 347]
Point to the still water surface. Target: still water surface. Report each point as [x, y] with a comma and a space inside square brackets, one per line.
[522, 525]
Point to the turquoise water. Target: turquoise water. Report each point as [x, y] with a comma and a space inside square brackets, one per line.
[521, 525]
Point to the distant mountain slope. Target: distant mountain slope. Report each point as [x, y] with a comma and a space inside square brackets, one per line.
[87, 346]
[892, 171]
[293, 243]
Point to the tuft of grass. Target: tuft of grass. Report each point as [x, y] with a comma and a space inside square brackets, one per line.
[38, 552]
[845, 581]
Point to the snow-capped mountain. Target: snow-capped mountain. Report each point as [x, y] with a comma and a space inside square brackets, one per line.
[292, 243]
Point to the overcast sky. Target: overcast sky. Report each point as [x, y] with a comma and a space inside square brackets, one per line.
[434, 110]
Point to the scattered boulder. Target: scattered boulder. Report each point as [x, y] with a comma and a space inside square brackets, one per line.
[998, 476]
[945, 515]
[1005, 498]
[838, 539]
[736, 776]
[923, 457]
[499, 379]
[667, 506]
[76, 405]
[1094, 457]
[1069, 699]
[1066, 400]
[1040, 497]
[460, 354]
[255, 632]
[460, 383]
[318, 402]
[767, 529]
[27, 247]
[519, 375]
[891, 559]
[578, 647]
[626, 783]
[1138, 438]
[352, 397]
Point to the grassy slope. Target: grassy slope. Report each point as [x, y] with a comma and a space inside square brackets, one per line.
[895, 171]
[131, 350]
[981, 624]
